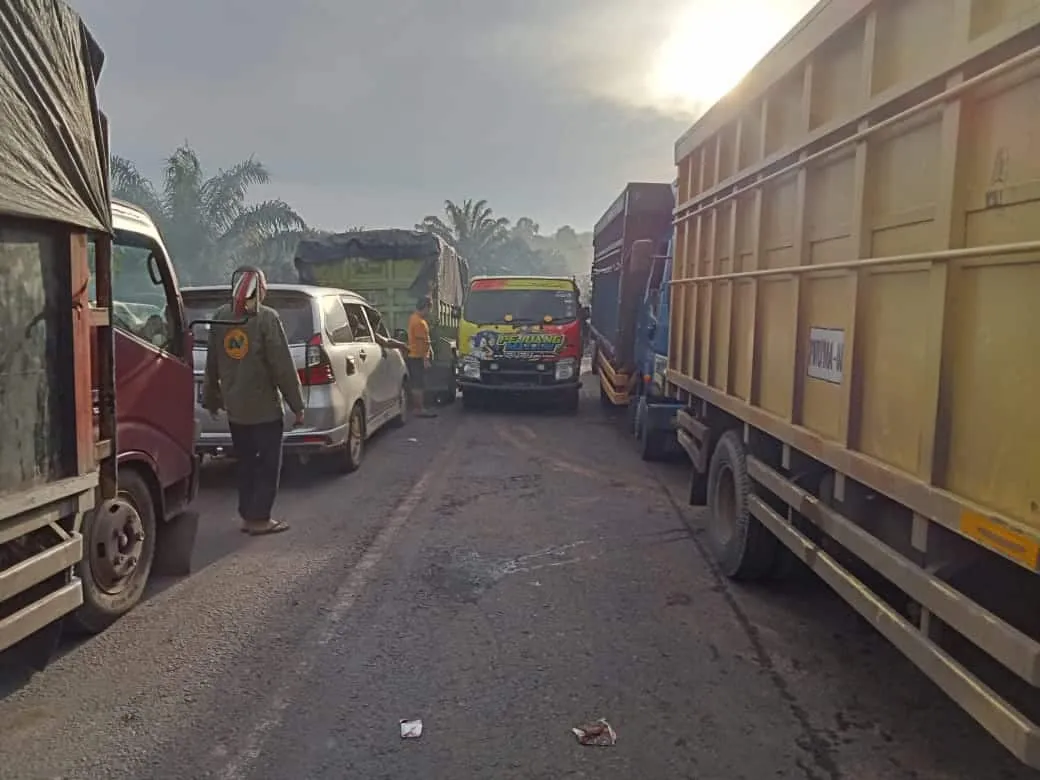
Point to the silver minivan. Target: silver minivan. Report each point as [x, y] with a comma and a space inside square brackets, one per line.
[352, 386]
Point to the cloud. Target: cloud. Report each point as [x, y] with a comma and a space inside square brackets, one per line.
[374, 113]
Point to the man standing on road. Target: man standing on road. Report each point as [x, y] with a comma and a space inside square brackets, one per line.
[249, 370]
[420, 354]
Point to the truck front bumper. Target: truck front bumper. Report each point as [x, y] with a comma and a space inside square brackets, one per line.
[475, 386]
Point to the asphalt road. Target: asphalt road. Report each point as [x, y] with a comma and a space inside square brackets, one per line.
[503, 577]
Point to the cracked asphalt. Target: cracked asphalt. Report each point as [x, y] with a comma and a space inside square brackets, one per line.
[503, 576]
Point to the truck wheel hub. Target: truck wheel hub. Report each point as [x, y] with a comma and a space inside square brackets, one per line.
[116, 543]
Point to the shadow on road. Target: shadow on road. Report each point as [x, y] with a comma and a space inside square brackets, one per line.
[219, 536]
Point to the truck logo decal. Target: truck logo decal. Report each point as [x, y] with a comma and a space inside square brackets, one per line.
[487, 344]
[236, 344]
[827, 354]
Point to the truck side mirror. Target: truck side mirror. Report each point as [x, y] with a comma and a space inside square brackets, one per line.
[401, 334]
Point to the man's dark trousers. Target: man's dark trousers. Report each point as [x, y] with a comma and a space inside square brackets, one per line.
[258, 448]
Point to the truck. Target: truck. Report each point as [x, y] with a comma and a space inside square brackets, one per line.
[855, 332]
[642, 212]
[94, 495]
[521, 337]
[393, 268]
[651, 412]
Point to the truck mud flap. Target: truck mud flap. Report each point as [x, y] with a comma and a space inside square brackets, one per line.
[174, 545]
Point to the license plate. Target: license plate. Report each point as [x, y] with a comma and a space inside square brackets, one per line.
[198, 392]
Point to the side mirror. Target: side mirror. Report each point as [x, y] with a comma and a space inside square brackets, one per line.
[401, 334]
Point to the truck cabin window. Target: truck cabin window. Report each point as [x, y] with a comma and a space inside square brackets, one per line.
[520, 306]
[139, 304]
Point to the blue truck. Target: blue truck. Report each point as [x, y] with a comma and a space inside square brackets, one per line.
[651, 413]
[628, 328]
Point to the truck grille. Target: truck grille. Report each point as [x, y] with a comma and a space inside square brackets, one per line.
[517, 372]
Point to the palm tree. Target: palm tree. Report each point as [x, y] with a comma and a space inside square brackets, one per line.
[473, 229]
[206, 222]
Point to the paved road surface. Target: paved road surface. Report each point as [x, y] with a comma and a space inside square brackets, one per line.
[504, 577]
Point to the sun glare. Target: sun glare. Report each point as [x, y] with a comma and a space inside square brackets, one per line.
[714, 44]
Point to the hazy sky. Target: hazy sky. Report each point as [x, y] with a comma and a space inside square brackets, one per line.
[374, 112]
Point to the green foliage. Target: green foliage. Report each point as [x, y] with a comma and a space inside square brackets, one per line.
[494, 246]
[206, 223]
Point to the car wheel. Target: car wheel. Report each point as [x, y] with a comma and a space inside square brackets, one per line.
[355, 445]
[119, 548]
[403, 403]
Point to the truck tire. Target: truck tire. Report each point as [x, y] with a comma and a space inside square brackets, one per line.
[118, 551]
[742, 547]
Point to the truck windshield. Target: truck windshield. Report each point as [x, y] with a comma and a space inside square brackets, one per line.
[295, 311]
[491, 306]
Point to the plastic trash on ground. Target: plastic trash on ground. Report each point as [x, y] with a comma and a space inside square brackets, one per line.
[598, 734]
[411, 729]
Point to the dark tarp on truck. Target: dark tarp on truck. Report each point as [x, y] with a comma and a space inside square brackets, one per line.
[52, 168]
[53, 196]
[392, 268]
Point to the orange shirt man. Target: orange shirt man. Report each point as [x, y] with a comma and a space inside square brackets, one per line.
[420, 354]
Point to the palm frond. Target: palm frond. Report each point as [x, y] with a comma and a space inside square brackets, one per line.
[224, 195]
[260, 222]
[182, 188]
[129, 184]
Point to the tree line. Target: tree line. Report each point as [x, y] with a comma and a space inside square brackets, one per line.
[210, 226]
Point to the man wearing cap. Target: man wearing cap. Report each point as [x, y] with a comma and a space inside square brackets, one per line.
[249, 370]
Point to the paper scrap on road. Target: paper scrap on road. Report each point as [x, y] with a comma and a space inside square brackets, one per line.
[413, 439]
[411, 729]
[598, 734]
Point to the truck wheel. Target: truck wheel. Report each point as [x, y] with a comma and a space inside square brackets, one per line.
[354, 450]
[743, 548]
[118, 551]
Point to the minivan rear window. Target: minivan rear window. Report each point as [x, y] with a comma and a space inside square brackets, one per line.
[295, 310]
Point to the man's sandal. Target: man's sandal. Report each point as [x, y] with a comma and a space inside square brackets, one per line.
[271, 527]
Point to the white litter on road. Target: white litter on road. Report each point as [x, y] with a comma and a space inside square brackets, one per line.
[411, 729]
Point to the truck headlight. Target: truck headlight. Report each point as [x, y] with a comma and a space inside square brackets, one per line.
[471, 369]
[565, 369]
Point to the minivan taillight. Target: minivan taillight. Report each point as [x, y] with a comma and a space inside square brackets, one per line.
[317, 368]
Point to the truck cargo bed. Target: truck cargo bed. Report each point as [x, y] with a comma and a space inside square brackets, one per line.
[857, 267]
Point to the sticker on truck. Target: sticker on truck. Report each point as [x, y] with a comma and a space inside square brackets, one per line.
[827, 354]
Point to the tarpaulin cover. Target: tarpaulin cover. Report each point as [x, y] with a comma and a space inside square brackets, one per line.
[52, 145]
[440, 262]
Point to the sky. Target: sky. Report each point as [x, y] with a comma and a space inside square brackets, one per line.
[373, 113]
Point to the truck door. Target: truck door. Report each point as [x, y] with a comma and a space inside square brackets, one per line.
[154, 379]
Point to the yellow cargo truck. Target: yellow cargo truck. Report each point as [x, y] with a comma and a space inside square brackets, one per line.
[856, 331]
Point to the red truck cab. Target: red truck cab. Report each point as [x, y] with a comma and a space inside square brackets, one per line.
[155, 427]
